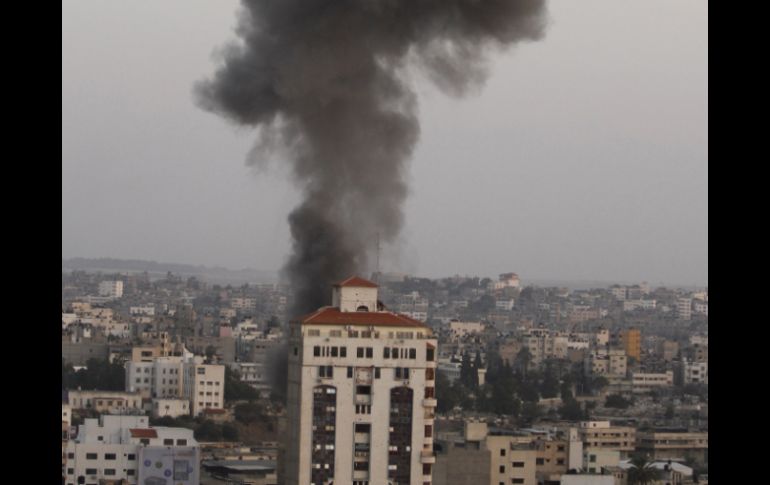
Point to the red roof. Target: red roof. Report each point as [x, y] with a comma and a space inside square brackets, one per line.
[333, 316]
[356, 281]
[143, 433]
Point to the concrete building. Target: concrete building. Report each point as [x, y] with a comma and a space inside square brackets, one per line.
[111, 289]
[602, 435]
[674, 444]
[684, 308]
[111, 402]
[361, 394]
[162, 407]
[588, 479]
[631, 342]
[597, 459]
[647, 381]
[694, 372]
[179, 377]
[115, 448]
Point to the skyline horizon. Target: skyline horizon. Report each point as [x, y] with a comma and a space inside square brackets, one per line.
[276, 273]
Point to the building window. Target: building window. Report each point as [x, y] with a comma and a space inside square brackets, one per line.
[130, 473]
[181, 442]
[343, 351]
[70, 456]
[517, 480]
[90, 471]
[369, 353]
[502, 468]
[335, 352]
[386, 353]
[412, 353]
[430, 355]
[539, 461]
[428, 431]
[518, 464]
[360, 352]
[325, 371]
[110, 456]
[502, 451]
[131, 456]
[90, 456]
[145, 441]
[376, 372]
[168, 442]
[109, 471]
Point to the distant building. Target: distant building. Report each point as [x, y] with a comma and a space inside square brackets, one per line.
[508, 280]
[684, 308]
[111, 402]
[111, 289]
[631, 341]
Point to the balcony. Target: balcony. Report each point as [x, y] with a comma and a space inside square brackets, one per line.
[427, 457]
[429, 402]
[363, 399]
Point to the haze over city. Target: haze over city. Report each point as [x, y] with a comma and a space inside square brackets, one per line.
[583, 157]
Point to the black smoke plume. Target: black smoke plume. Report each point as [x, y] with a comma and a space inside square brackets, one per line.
[328, 82]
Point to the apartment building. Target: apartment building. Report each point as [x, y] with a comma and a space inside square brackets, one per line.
[361, 394]
[631, 341]
[111, 289]
[179, 377]
[113, 448]
[602, 435]
[648, 381]
[674, 444]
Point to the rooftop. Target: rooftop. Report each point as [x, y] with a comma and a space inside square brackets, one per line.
[356, 281]
[333, 316]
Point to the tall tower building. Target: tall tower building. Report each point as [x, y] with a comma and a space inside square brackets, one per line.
[361, 394]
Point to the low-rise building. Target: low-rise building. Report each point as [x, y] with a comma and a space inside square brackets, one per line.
[110, 402]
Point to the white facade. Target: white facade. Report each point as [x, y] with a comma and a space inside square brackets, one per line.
[695, 372]
[170, 407]
[111, 448]
[684, 308]
[458, 330]
[111, 289]
[506, 305]
[354, 379]
[179, 377]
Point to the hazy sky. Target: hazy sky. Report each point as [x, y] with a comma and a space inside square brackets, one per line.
[583, 157]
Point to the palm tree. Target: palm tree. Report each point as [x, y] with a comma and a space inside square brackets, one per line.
[642, 472]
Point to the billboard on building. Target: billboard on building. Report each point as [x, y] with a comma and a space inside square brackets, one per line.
[167, 465]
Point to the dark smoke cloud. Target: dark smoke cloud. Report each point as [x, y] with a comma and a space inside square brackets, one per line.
[327, 82]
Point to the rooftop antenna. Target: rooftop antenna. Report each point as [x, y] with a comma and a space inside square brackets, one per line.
[377, 273]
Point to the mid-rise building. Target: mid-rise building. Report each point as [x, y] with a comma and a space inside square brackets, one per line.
[111, 289]
[125, 448]
[631, 342]
[602, 435]
[361, 394]
[674, 444]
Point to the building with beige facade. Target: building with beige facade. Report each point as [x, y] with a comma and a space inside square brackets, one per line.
[670, 444]
[602, 435]
[361, 394]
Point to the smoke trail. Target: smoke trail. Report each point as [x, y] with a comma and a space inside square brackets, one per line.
[328, 82]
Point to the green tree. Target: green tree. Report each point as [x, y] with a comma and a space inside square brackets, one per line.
[229, 432]
[208, 431]
[571, 410]
[549, 387]
[237, 390]
[642, 472]
[531, 411]
[616, 401]
[250, 412]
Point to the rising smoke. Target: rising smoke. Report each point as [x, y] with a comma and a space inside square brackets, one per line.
[327, 81]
